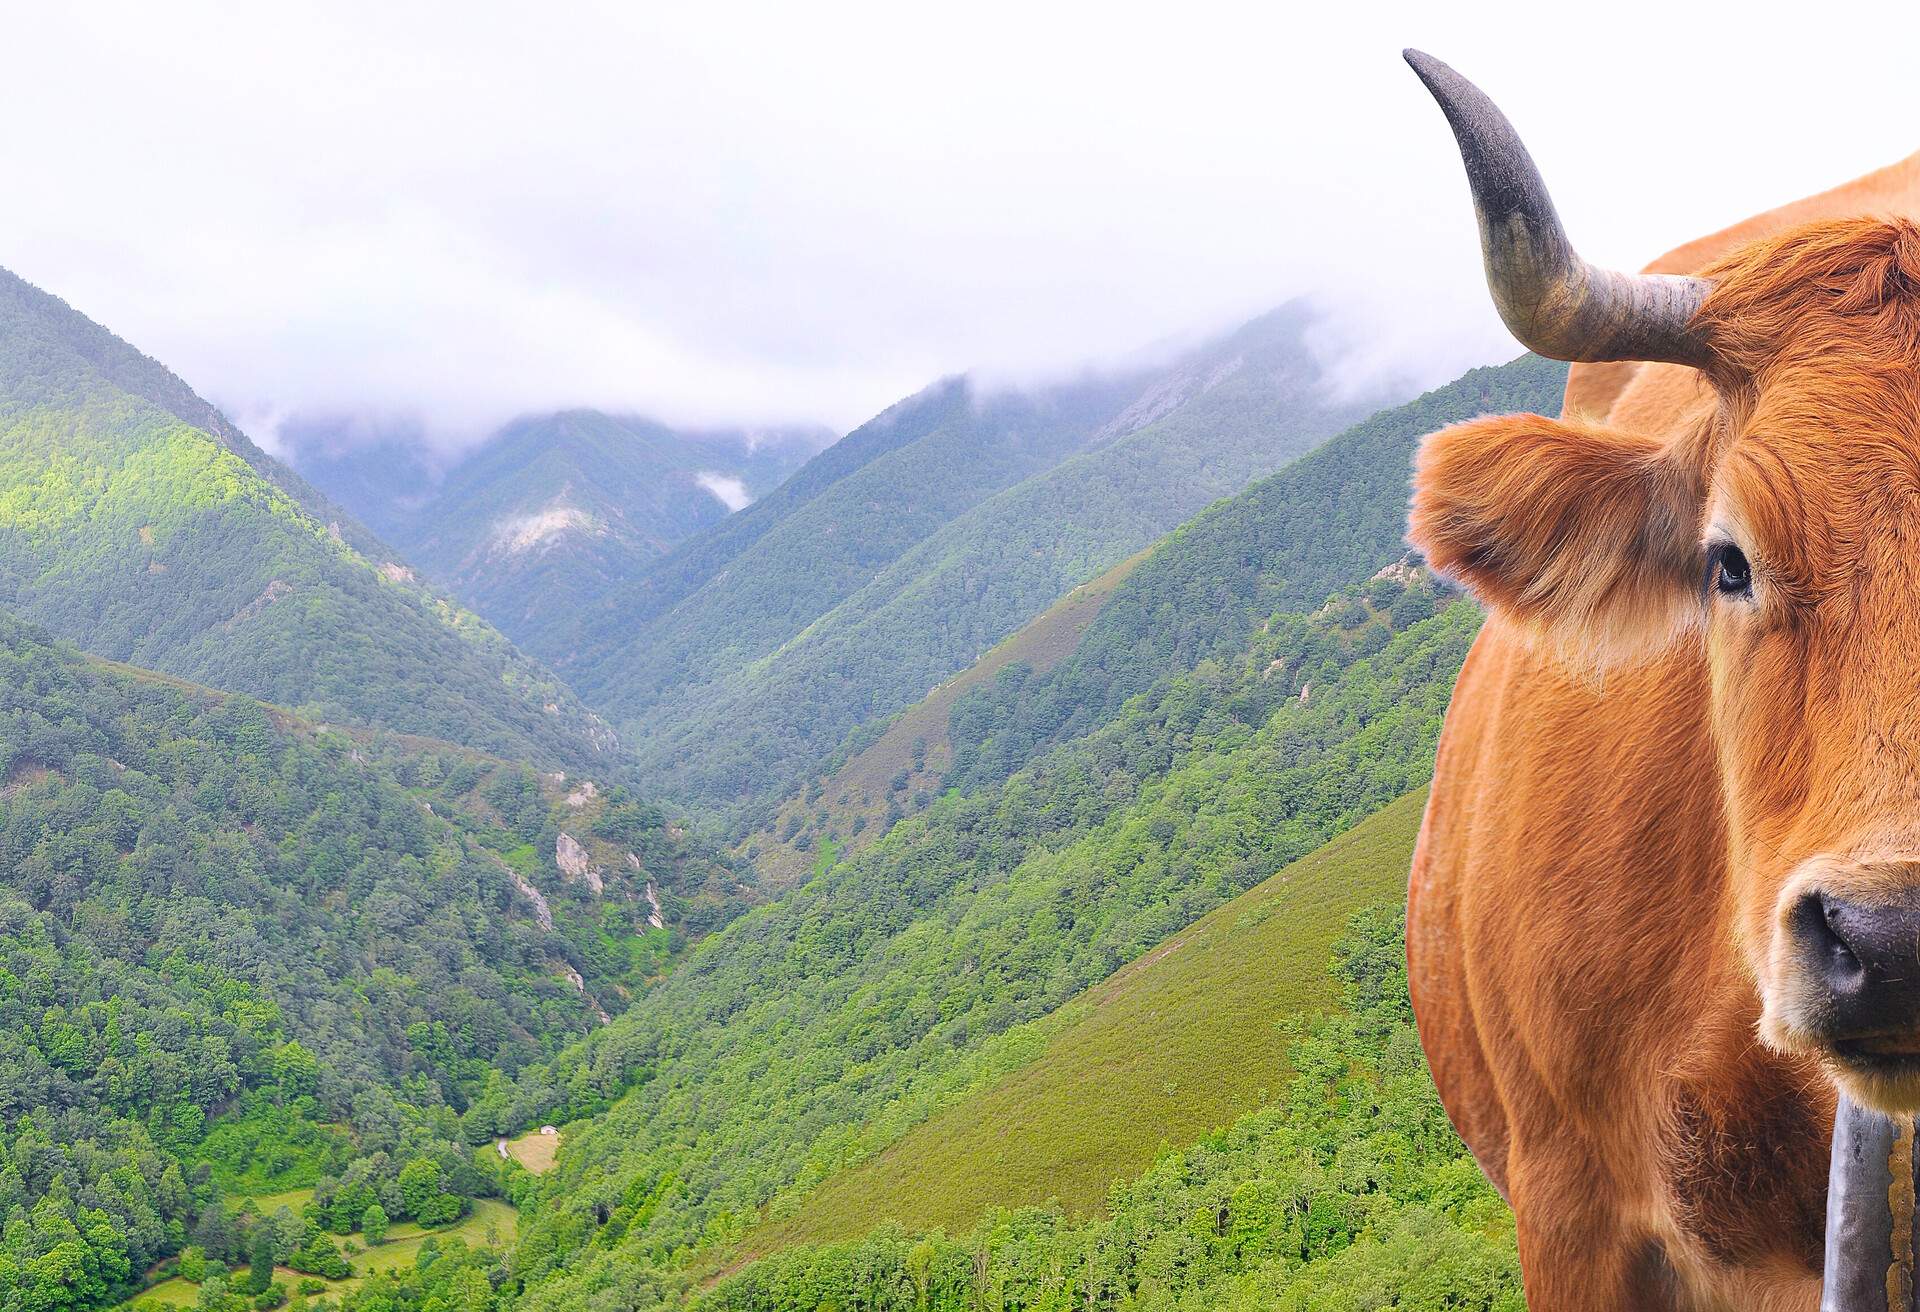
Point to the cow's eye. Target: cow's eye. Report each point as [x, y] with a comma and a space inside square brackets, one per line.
[1728, 571]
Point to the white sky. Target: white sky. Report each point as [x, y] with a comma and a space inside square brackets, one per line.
[724, 213]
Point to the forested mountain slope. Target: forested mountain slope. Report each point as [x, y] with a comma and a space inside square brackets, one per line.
[819, 1029]
[135, 520]
[909, 568]
[533, 526]
[1183, 1040]
[856, 800]
[239, 953]
[1333, 516]
[1349, 1191]
[768, 577]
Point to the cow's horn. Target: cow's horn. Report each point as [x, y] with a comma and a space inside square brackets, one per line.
[1553, 301]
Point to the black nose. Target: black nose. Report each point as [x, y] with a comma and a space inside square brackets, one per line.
[1867, 955]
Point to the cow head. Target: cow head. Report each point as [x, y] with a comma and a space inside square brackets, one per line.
[1774, 538]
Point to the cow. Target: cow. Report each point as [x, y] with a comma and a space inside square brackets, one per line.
[1664, 913]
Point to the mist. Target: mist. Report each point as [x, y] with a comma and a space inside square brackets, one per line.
[443, 216]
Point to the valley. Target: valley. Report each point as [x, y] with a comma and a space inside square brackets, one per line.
[962, 853]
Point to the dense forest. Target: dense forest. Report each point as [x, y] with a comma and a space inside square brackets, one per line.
[149, 539]
[239, 954]
[814, 1031]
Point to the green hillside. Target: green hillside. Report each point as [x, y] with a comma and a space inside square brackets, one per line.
[1349, 1191]
[863, 796]
[1336, 515]
[240, 953]
[532, 527]
[722, 600]
[1333, 516]
[1176, 1044]
[136, 521]
[818, 1030]
[912, 566]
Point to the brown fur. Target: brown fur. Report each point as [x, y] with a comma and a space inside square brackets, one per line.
[1635, 773]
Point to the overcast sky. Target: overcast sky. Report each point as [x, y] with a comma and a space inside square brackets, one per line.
[720, 213]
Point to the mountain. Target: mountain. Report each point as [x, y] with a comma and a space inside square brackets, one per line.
[847, 809]
[922, 975]
[538, 522]
[382, 470]
[907, 996]
[137, 521]
[743, 660]
[1336, 515]
[819, 1029]
[243, 954]
[1284, 544]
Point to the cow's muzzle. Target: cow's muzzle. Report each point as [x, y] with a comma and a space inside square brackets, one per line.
[1854, 964]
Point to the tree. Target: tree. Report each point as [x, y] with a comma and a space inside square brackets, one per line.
[321, 1258]
[260, 1259]
[373, 1224]
[419, 1182]
[295, 1069]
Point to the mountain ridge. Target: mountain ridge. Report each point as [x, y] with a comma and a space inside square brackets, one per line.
[149, 539]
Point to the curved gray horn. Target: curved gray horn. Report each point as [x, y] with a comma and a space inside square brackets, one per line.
[1552, 300]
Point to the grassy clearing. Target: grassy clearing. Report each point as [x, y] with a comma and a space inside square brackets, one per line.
[534, 1150]
[1171, 1046]
[489, 1215]
[491, 1221]
[292, 1199]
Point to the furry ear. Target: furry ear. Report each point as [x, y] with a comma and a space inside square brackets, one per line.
[1587, 535]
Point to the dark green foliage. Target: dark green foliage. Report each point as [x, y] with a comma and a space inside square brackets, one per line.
[137, 521]
[852, 599]
[222, 935]
[1352, 1191]
[261, 1259]
[1331, 517]
[320, 1256]
[449, 1278]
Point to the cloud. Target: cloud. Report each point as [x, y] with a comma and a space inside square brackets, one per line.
[455, 213]
[728, 491]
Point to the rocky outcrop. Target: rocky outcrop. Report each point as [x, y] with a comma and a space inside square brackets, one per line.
[580, 987]
[541, 911]
[576, 864]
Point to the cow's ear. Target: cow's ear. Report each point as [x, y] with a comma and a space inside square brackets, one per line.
[1587, 535]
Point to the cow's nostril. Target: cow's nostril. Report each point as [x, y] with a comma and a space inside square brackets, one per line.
[1820, 924]
[1860, 960]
